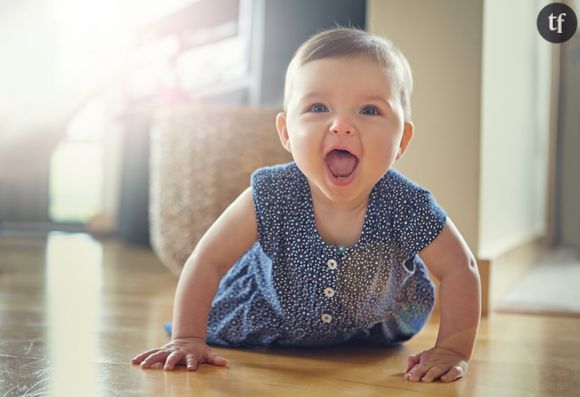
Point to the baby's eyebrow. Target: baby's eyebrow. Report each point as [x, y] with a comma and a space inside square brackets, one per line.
[315, 94]
[366, 97]
[379, 98]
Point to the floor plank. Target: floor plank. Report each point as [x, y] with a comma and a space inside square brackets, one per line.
[74, 310]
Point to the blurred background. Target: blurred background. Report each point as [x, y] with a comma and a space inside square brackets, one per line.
[495, 106]
[80, 81]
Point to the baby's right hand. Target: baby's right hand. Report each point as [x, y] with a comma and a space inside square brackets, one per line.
[188, 351]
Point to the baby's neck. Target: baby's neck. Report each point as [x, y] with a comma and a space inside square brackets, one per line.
[348, 208]
[339, 224]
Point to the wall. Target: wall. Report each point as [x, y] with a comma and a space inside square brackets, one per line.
[514, 127]
[443, 42]
[568, 200]
[481, 109]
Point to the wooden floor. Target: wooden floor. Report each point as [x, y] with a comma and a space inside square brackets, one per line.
[73, 311]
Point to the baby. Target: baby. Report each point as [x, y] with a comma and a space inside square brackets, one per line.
[334, 246]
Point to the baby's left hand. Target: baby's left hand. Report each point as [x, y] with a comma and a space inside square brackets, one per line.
[435, 363]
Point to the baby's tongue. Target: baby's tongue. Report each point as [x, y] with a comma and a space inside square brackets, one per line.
[341, 162]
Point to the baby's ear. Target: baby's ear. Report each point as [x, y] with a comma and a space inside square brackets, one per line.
[283, 131]
[406, 139]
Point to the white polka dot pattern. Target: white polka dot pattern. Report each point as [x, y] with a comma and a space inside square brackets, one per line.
[293, 288]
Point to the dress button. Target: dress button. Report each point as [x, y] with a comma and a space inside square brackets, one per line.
[329, 292]
[331, 264]
[327, 318]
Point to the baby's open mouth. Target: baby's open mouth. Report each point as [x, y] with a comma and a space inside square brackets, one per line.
[341, 163]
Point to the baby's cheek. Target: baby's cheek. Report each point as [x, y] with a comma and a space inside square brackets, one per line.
[305, 161]
[380, 161]
[307, 147]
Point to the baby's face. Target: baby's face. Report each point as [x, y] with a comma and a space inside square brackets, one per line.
[344, 125]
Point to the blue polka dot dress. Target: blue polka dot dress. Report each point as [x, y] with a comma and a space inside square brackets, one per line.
[292, 288]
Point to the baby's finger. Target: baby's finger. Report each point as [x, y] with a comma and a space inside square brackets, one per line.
[157, 357]
[171, 361]
[138, 359]
[415, 374]
[412, 361]
[454, 373]
[434, 373]
[190, 362]
[216, 359]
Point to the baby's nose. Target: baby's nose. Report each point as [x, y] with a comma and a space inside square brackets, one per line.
[342, 126]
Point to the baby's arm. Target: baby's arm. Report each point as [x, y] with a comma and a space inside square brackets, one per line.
[449, 259]
[232, 234]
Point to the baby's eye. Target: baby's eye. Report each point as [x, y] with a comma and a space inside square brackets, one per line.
[318, 108]
[370, 110]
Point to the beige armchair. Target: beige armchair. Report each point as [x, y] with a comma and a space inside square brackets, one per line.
[201, 160]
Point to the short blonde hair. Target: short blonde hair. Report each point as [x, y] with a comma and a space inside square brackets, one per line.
[343, 42]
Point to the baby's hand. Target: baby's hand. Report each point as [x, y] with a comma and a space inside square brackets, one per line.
[435, 363]
[188, 351]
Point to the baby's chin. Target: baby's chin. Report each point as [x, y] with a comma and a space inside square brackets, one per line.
[355, 192]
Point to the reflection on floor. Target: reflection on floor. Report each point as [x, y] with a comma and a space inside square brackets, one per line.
[74, 310]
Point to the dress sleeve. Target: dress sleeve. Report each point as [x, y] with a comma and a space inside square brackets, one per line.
[267, 202]
[418, 218]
